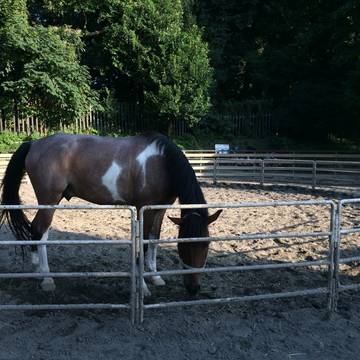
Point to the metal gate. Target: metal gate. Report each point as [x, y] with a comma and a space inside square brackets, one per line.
[131, 273]
[137, 274]
[327, 261]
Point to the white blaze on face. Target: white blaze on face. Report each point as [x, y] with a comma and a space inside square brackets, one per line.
[151, 150]
[109, 180]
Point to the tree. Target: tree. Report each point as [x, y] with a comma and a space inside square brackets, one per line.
[166, 63]
[302, 56]
[40, 71]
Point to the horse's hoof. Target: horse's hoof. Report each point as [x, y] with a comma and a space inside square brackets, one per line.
[48, 284]
[157, 281]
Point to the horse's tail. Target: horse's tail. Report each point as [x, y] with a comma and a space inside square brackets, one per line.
[15, 171]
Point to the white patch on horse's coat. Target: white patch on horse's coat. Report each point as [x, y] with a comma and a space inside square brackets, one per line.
[151, 150]
[151, 263]
[146, 290]
[110, 178]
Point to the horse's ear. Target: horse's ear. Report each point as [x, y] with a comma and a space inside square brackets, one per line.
[214, 217]
[175, 220]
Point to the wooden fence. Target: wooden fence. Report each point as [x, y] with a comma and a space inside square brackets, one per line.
[130, 119]
[310, 169]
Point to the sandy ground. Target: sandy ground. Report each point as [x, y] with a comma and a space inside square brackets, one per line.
[278, 329]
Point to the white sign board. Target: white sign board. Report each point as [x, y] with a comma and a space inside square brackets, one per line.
[222, 148]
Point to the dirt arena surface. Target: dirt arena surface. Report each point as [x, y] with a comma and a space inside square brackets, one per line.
[294, 329]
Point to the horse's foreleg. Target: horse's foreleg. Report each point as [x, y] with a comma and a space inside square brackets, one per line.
[151, 262]
[152, 248]
[40, 231]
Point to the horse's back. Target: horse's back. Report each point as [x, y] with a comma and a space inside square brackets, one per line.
[103, 170]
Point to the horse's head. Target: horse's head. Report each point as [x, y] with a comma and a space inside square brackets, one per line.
[194, 224]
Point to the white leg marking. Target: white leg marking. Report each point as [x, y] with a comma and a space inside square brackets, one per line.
[48, 283]
[151, 150]
[151, 263]
[146, 289]
[109, 180]
[35, 258]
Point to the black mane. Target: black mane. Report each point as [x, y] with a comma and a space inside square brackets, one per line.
[182, 176]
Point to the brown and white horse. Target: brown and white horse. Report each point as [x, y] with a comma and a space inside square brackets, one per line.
[138, 171]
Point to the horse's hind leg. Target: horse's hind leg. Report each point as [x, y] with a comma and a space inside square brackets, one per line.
[40, 230]
[154, 233]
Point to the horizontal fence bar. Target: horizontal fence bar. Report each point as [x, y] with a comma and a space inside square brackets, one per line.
[239, 298]
[239, 205]
[68, 207]
[348, 287]
[64, 307]
[80, 274]
[349, 201]
[349, 259]
[238, 268]
[66, 242]
[349, 231]
[255, 236]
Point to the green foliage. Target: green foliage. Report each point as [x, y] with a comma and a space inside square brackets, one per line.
[10, 141]
[40, 73]
[300, 58]
[301, 55]
[168, 65]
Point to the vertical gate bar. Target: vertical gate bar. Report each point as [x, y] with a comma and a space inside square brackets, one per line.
[134, 293]
[337, 255]
[332, 240]
[262, 178]
[140, 233]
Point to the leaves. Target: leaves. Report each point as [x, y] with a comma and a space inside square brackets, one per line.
[40, 70]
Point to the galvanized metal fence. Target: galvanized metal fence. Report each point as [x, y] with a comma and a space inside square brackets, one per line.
[341, 232]
[137, 273]
[327, 261]
[131, 273]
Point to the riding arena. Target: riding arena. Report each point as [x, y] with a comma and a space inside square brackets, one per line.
[286, 242]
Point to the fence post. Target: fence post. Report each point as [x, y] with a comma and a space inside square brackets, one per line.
[262, 178]
[337, 240]
[134, 271]
[331, 256]
[215, 169]
[140, 272]
[313, 175]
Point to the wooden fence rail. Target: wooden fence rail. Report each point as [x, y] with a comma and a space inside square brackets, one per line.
[311, 169]
[317, 171]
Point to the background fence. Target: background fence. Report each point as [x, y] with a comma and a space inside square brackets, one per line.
[303, 169]
[129, 118]
[310, 169]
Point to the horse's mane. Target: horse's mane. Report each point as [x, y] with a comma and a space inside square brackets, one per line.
[182, 176]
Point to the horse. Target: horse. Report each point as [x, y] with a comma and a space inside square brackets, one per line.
[138, 170]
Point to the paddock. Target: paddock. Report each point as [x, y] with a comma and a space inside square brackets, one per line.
[236, 321]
